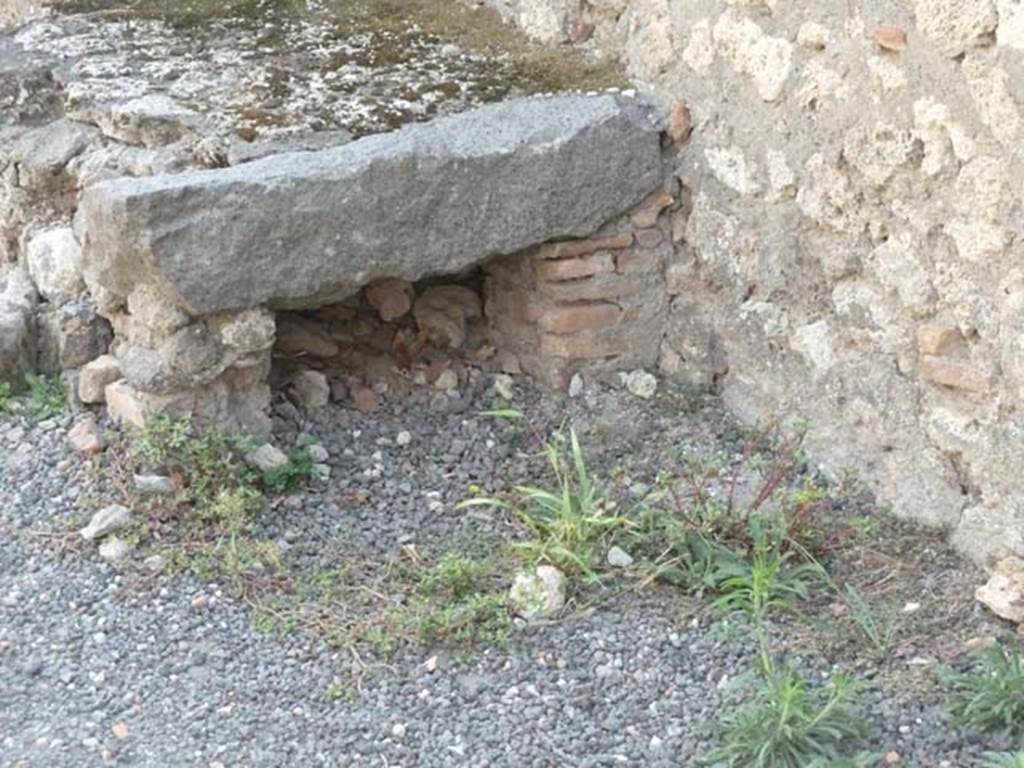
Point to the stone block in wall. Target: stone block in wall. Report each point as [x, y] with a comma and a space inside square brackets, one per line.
[29, 94]
[128, 406]
[94, 376]
[17, 345]
[69, 336]
[54, 260]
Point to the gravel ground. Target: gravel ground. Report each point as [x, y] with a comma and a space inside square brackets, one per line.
[113, 665]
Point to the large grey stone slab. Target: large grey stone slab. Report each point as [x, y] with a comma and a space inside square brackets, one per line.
[303, 228]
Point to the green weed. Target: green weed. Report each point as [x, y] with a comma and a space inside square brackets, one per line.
[787, 723]
[459, 601]
[878, 631]
[572, 522]
[990, 695]
[43, 398]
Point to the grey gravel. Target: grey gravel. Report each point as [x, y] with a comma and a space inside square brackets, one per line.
[136, 667]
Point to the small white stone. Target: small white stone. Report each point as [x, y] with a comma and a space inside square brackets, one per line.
[153, 484]
[318, 453]
[619, 558]
[538, 595]
[107, 520]
[398, 730]
[447, 381]
[114, 549]
[575, 385]
[504, 386]
[642, 384]
[403, 438]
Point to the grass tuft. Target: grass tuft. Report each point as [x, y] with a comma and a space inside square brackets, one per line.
[787, 723]
[990, 695]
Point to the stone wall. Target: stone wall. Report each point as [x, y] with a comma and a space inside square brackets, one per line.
[853, 255]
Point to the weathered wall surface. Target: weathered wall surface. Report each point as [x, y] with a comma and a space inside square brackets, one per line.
[853, 253]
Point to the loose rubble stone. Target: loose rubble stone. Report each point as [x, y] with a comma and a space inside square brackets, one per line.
[447, 381]
[444, 311]
[303, 336]
[114, 549]
[267, 458]
[153, 484]
[619, 558]
[642, 384]
[391, 298]
[504, 386]
[1003, 593]
[538, 595]
[592, 157]
[310, 390]
[85, 436]
[106, 520]
[403, 438]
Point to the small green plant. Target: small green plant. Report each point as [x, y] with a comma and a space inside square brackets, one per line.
[990, 695]
[770, 577]
[457, 601]
[571, 523]
[454, 574]
[787, 723]
[1003, 760]
[44, 399]
[209, 464]
[220, 495]
[878, 631]
[476, 618]
[287, 477]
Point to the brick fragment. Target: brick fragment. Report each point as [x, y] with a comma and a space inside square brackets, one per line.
[956, 374]
[890, 38]
[637, 262]
[598, 288]
[559, 270]
[586, 346]
[934, 339]
[649, 238]
[571, 248]
[680, 124]
[571, 318]
[646, 215]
